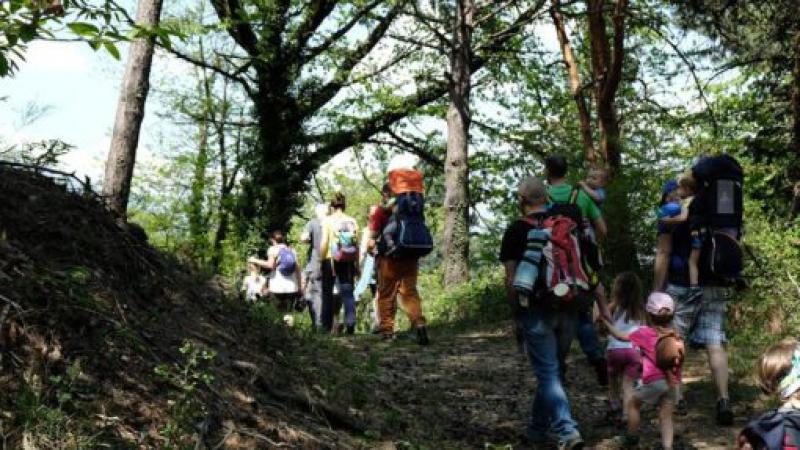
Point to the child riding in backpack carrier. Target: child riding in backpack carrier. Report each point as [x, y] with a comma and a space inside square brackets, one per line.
[406, 235]
[778, 375]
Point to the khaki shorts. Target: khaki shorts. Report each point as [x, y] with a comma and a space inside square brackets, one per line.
[652, 394]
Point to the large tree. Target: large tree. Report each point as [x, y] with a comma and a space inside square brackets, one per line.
[326, 75]
[456, 170]
[130, 109]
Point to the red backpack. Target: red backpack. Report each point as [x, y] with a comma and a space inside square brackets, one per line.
[562, 268]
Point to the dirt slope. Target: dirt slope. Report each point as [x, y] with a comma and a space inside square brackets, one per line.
[106, 342]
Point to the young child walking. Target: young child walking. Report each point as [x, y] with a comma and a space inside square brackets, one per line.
[624, 361]
[657, 343]
[778, 375]
[254, 284]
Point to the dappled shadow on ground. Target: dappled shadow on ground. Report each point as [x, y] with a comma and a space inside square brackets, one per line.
[473, 390]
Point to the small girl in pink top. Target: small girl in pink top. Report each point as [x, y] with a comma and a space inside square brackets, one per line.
[656, 389]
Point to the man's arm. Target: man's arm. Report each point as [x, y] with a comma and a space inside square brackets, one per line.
[590, 192]
[511, 293]
[600, 228]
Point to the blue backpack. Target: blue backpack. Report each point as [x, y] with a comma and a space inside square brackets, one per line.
[286, 262]
[410, 237]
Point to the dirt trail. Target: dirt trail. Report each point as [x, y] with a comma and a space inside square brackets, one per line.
[473, 390]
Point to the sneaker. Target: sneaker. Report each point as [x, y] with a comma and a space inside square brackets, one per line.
[601, 371]
[573, 443]
[681, 408]
[422, 336]
[724, 413]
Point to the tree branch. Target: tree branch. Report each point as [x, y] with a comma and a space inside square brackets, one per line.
[214, 68]
[240, 29]
[345, 67]
[319, 10]
[313, 52]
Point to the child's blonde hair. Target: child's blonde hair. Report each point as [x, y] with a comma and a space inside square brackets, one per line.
[774, 365]
[687, 181]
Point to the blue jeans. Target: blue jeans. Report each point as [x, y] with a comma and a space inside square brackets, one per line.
[548, 335]
[587, 337]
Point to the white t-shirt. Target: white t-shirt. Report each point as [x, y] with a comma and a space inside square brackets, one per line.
[278, 282]
[253, 285]
[624, 325]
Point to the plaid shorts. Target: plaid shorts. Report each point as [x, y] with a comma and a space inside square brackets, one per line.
[700, 320]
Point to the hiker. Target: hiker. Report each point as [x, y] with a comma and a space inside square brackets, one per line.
[715, 226]
[562, 193]
[779, 376]
[339, 259]
[658, 343]
[546, 328]
[284, 277]
[594, 185]
[624, 362]
[312, 273]
[683, 195]
[398, 263]
[368, 280]
[670, 206]
[254, 283]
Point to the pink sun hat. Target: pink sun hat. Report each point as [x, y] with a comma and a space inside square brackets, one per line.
[657, 302]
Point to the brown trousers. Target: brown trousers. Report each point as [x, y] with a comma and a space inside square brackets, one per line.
[398, 276]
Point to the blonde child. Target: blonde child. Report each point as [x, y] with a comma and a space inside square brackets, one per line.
[253, 284]
[594, 185]
[778, 375]
[658, 385]
[624, 361]
[687, 186]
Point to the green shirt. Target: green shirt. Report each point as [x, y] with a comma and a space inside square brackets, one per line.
[560, 193]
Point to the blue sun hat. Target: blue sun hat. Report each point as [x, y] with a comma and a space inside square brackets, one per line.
[668, 187]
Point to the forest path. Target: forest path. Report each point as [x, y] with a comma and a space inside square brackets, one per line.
[472, 389]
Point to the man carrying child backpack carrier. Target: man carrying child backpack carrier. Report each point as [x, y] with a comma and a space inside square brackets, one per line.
[402, 239]
[545, 284]
[577, 205]
[701, 284]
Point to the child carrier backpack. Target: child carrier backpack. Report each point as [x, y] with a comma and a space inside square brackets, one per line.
[717, 212]
[670, 351]
[286, 262]
[551, 267]
[409, 235]
[775, 430]
[590, 252]
[344, 248]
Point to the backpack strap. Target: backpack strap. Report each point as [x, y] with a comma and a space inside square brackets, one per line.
[573, 196]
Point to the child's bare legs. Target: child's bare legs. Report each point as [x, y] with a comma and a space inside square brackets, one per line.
[613, 392]
[661, 266]
[694, 267]
[627, 393]
[634, 410]
[665, 413]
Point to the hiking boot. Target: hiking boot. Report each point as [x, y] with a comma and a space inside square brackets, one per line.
[627, 441]
[724, 413]
[422, 336]
[351, 330]
[573, 443]
[601, 371]
[681, 408]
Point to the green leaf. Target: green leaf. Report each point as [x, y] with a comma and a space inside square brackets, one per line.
[83, 29]
[112, 49]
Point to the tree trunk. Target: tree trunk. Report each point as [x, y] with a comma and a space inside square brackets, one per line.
[456, 201]
[130, 111]
[573, 74]
[794, 173]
